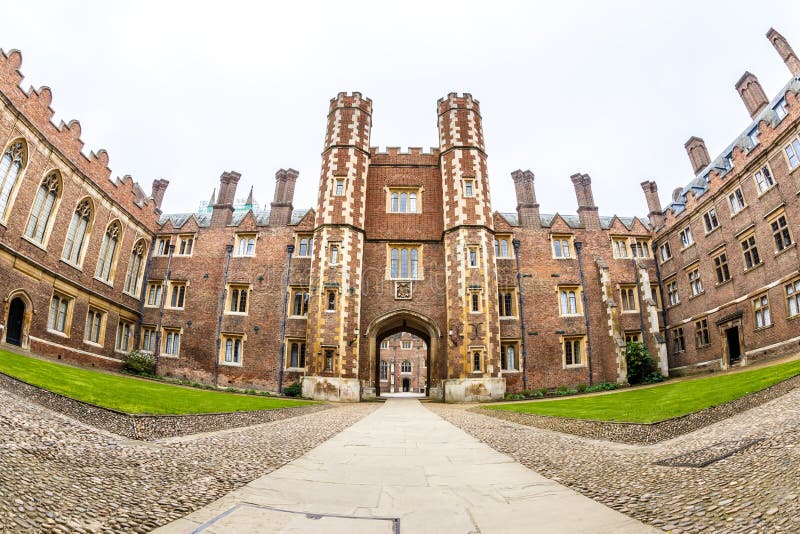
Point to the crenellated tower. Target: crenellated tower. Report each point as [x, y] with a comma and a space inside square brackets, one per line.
[335, 280]
[474, 354]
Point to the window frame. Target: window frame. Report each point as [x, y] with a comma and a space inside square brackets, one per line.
[695, 281]
[619, 246]
[678, 340]
[563, 293]
[309, 245]
[557, 252]
[514, 346]
[17, 152]
[503, 294]
[750, 255]
[570, 341]
[721, 268]
[793, 145]
[665, 247]
[147, 338]
[126, 326]
[686, 237]
[39, 234]
[301, 355]
[305, 297]
[61, 323]
[236, 289]
[762, 312]
[672, 290]
[243, 239]
[702, 337]
[393, 273]
[401, 199]
[498, 246]
[781, 234]
[791, 292]
[766, 182]
[626, 300]
[181, 298]
[168, 345]
[139, 251]
[94, 330]
[184, 242]
[237, 349]
[737, 195]
[710, 220]
[116, 232]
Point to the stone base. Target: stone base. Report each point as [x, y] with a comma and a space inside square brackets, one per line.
[368, 392]
[332, 388]
[435, 393]
[474, 389]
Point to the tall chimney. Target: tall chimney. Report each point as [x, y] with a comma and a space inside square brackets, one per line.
[785, 51]
[222, 212]
[527, 208]
[281, 207]
[158, 190]
[752, 94]
[698, 153]
[656, 214]
[587, 211]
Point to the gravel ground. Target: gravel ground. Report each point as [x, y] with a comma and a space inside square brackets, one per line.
[57, 475]
[755, 489]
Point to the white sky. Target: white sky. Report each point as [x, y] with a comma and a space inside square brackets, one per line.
[185, 91]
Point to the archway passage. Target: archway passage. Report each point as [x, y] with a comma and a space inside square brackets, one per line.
[14, 324]
[403, 365]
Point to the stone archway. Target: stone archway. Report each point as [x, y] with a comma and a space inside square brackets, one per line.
[403, 320]
[17, 315]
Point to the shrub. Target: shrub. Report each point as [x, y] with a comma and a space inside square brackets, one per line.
[603, 386]
[538, 394]
[561, 390]
[293, 390]
[541, 392]
[641, 366]
[139, 363]
[514, 396]
[527, 393]
[581, 388]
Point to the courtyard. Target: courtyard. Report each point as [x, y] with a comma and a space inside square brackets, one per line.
[418, 466]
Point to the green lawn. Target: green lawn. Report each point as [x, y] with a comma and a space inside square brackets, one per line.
[128, 394]
[672, 399]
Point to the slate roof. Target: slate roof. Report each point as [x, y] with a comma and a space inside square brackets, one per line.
[204, 218]
[573, 221]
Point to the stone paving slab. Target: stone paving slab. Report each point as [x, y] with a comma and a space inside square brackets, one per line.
[403, 461]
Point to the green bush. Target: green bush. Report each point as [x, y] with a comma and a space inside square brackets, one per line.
[527, 393]
[561, 389]
[139, 363]
[603, 386]
[581, 388]
[541, 392]
[642, 367]
[538, 394]
[514, 396]
[293, 390]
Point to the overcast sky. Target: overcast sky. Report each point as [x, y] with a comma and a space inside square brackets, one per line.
[185, 91]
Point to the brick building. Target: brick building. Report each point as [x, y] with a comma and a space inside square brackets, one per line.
[403, 364]
[398, 244]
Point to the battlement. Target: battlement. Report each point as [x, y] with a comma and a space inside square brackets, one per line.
[402, 151]
[34, 106]
[354, 100]
[399, 156]
[457, 101]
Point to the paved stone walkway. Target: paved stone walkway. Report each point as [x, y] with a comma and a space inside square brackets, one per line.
[403, 469]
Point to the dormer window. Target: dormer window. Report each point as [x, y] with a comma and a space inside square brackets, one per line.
[780, 109]
[729, 160]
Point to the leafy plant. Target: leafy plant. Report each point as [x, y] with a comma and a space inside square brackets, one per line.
[541, 392]
[603, 386]
[581, 388]
[527, 393]
[642, 367]
[139, 363]
[293, 390]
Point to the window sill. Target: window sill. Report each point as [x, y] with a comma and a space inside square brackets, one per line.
[152, 306]
[92, 344]
[176, 255]
[296, 369]
[580, 366]
[298, 317]
[118, 351]
[629, 311]
[720, 284]
[173, 309]
[239, 314]
[34, 242]
[579, 314]
[330, 311]
[709, 232]
[692, 297]
[508, 317]
[231, 364]
[507, 257]
[733, 215]
[509, 371]
[761, 329]
[70, 264]
[243, 256]
[109, 283]
[669, 307]
[794, 317]
[665, 261]
[57, 333]
[687, 247]
[563, 258]
[785, 249]
[765, 191]
[704, 346]
[172, 356]
[753, 268]
[132, 295]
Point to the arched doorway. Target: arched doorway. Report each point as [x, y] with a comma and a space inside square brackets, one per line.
[394, 326]
[18, 319]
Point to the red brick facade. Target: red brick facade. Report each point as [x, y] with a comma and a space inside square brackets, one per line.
[398, 242]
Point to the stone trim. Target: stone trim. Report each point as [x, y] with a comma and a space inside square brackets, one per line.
[147, 427]
[646, 433]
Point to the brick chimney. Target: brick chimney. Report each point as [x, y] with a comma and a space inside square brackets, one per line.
[656, 214]
[158, 190]
[698, 153]
[281, 207]
[785, 51]
[527, 207]
[222, 212]
[752, 94]
[587, 211]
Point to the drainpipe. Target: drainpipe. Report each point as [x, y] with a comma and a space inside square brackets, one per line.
[143, 292]
[228, 252]
[165, 287]
[584, 300]
[516, 243]
[289, 251]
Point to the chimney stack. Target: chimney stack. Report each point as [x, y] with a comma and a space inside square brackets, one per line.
[281, 207]
[527, 208]
[222, 212]
[698, 153]
[158, 190]
[656, 214]
[752, 94]
[785, 51]
[587, 211]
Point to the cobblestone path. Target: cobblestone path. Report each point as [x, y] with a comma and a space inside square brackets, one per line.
[57, 475]
[756, 489]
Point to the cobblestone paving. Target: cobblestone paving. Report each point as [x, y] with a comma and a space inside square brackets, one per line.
[754, 490]
[57, 475]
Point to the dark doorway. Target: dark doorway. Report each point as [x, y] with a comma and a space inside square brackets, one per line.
[16, 314]
[734, 349]
[406, 385]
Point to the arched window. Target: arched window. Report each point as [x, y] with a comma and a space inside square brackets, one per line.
[405, 367]
[384, 371]
[11, 165]
[76, 234]
[508, 300]
[412, 203]
[134, 276]
[503, 248]
[476, 362]
[395, 262]
[395, 204]
[403, 201]
[107, 251]
[43, 205]
[509, 363]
